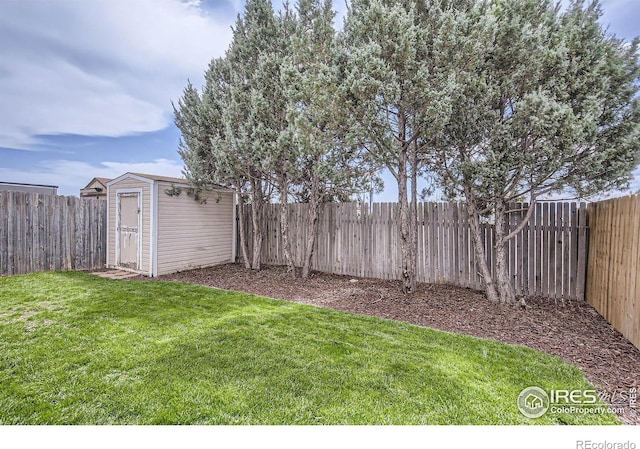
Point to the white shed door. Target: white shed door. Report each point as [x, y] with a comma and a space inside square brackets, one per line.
[128, 230]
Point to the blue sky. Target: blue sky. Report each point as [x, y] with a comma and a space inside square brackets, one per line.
[86, 87]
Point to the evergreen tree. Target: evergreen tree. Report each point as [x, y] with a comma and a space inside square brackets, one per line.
[204, 145]
[327, 166]
[230, 133]
[398, 86]
[544, 102]
[253, 113]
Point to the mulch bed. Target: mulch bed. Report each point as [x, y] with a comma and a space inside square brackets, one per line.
[571, 330]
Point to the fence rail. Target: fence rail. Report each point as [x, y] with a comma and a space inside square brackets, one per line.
[613, 281]
[547, 258]
[46, 232]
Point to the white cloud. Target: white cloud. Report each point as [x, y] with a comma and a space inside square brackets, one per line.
[70, 176]
[106, 68]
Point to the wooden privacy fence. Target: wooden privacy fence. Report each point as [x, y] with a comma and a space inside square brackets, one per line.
[613, 276]
[547, 258]
[46, 232]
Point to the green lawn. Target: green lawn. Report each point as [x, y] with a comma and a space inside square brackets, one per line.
[78, 349]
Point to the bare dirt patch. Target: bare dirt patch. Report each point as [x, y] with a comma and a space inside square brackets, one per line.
[27, 316]
[571, 330]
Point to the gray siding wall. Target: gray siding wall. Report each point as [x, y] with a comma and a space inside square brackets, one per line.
[43, 190]
[193, 235]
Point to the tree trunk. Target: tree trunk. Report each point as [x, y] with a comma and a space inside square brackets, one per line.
[312, 228]
[408, 268]
[243, 237]
[505, 288]
[413, 214]
[478, 246]
[256, 219]
[284, 223]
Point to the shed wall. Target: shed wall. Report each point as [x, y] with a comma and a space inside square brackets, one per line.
[193, 235]
[130, 183]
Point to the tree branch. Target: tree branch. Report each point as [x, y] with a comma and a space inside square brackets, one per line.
[524, 221]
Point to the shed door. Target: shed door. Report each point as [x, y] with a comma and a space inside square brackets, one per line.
[128, 230]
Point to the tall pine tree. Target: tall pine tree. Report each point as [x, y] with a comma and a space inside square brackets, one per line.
[544, 102]
[230, 133]
[327, 165]
[397, 98]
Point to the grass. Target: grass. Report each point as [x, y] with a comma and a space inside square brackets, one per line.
[78, 349]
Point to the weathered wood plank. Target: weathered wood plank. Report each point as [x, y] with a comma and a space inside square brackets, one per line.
[568, 251]
[516, 247]
[574, 251]
[44, 232]
[540, 243]
[464, 246]
[528, 254]
[581, 225]
[613, 272]
[3, 232]
[551, 247]
[363, 242]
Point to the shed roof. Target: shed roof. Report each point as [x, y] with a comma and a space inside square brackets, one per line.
[9, 183]
[162, 178]
[102, 181]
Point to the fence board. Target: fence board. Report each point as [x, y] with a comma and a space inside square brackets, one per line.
[574, 248]
[557, 250]
[566, 250]
[4, 250]
[582, 250]
[547, 258]
[46, 232]
[529, 248]
[523, 251]
[613, 272]
[514, 249]
[464, 247]
[551, 246]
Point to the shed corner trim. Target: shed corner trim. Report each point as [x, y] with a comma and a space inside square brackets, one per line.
[153, 269]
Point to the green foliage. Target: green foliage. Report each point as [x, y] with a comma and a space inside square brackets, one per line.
[499, 100]
[173, 191]
[397, 87]
[230, 131]
[78, 349]
[544, 103]
[272, 106]
[268, 120]
[254, 114]
[195, 193]
[317, 124]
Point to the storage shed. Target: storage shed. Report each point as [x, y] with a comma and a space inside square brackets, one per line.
[159, 225]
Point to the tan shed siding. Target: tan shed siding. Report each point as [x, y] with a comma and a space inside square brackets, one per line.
[146, 220]
[192, 235]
